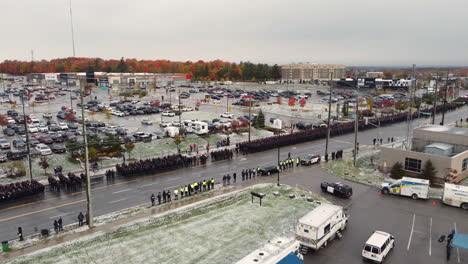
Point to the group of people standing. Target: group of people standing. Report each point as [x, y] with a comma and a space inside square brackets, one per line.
[183, 191]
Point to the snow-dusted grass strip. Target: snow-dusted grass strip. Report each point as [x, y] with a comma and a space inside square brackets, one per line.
[219, 230]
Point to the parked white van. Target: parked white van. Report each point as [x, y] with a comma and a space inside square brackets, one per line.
[456, 195]
[378, 246]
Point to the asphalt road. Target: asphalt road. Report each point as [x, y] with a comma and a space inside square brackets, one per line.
[391, 215]
[416, 242]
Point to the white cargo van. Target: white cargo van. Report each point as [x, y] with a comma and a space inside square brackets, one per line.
[319, 226]
[455, 195]
[413, 187]
[378, 246]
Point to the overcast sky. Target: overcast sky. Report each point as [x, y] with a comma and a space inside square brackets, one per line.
[351, 32]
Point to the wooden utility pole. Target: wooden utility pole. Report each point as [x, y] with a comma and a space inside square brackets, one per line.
[445, 98]
[434, 104]
[88, 176]
[329, 114]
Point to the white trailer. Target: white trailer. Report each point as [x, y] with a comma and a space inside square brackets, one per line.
[456, 195]
[171, 131]
[196, 127]
[320, 226]
[407, 186]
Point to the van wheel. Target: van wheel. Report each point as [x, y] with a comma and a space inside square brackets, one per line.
[385, 191]
[414, 196]
[268, 173]
[464, 206]
[325, 244]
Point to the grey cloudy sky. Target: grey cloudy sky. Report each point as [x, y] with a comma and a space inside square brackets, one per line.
[352, 32]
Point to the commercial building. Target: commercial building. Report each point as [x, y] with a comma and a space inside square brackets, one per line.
[308, 72]
[374, 74]
[446, 147]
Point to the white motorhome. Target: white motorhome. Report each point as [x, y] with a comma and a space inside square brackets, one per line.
[321, 225]
[275, 251]
[456, 195]
[196, 127]
[407, 186]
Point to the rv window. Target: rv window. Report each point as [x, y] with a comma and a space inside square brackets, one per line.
[384, 246]
[305, 230]
[327, 229]
[375, 250]
[368, 248]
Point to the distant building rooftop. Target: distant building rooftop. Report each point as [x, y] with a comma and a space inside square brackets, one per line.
[444, 129]
[441, 146]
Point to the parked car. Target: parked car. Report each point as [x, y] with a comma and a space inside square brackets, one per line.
[42, 128]
[338, 189]
[19, 143]
[16, 154]
[8, 132]
[227, 115]
[268, 170]
[165, 124]
[168, 113]
[58, 148]
[63, 126]
[146, 122]
[310, 159]
[33, 128]
[47, 115]
[4, 144]
[3, 157]
[44, 149]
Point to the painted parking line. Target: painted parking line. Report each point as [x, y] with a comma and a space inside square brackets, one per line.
[430, 238]
[149, 184]
[121, 191]
[411, 234]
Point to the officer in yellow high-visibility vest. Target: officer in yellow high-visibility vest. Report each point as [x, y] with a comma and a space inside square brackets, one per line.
[176, 196]
[204, 185]
[298, 162]
[212, 183]
[182, 189]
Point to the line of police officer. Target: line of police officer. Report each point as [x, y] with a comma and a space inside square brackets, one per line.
[183, 191]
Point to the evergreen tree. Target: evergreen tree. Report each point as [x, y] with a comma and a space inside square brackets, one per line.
[397, 171]
[122, 67]
[428, 172]
[259, 121]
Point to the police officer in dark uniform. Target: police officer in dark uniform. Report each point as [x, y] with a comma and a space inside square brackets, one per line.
[153, 199]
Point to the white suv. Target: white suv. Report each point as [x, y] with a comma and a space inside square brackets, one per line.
[227, 115]
[378, 246]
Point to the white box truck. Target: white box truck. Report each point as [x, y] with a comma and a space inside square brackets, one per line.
[455, 195]
[321, 225]
[412, 187]
[278, 250]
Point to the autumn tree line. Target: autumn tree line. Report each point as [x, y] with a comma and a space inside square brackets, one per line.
[200, 70]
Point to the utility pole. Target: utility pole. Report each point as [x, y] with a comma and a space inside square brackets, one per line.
[250, 117]
[356, 129]
[25, 119]
[445, 99]
[277, 180]
[88, 176]
[409, 117]
[434, 104]
[70, 91]
[329, 114]
[72, 32]
[180, 112]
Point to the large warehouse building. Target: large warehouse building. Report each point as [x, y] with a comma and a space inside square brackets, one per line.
[309, 72]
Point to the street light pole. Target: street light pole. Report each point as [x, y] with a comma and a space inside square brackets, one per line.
[25, 119]
[88, 176]
[329, 115]
[278, 178]
[356, 128]
[434, 104]
[445, 98]
[250, 117]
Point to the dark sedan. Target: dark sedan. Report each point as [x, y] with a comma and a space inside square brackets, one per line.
[58, 148]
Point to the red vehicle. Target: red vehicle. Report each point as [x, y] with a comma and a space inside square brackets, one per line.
[230, 95]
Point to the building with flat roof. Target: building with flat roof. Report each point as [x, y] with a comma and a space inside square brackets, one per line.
[446, 147]
[308, 72]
